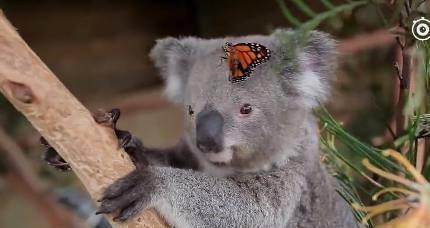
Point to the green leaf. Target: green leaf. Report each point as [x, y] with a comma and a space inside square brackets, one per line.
[359, 148]
[318, 19]
[287, 13]
[304, 8]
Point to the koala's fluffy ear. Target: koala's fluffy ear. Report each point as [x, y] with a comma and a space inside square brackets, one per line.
[172, 57]
[315, 66]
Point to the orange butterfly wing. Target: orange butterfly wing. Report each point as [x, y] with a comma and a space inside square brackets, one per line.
[243, 58]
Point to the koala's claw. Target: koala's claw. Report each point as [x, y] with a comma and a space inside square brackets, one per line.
[124, 138]
[128, 212]
[121, 185]
[128, 195]
[109, 118]
[53, 158]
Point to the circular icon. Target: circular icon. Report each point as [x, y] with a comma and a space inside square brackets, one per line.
[421, 29]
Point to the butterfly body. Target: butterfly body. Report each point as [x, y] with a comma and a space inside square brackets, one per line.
[242, 59]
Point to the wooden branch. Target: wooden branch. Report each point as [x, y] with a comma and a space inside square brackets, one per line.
[91, 149]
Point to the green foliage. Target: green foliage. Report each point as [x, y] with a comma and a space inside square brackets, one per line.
[331, 126]
[316, 19]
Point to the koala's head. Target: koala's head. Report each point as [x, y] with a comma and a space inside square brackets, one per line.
[249, 125]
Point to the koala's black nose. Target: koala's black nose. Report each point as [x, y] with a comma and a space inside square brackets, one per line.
[209, 130]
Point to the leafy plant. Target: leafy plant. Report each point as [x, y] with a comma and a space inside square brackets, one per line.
[394, 182]
[316, 18]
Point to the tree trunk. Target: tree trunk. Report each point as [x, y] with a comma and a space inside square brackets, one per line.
[90, 149]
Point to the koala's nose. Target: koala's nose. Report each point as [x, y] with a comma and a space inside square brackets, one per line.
[209, 130]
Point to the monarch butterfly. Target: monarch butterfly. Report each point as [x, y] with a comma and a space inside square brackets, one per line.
[242, 59]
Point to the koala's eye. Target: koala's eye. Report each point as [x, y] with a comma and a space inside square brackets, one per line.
[190, 110]
[246, 109]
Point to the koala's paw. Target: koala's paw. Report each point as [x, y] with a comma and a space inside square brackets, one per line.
[127, 196]
[125, 139]
[53, 158]
[110, 119]
[107, 118]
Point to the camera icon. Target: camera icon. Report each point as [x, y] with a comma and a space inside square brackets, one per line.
[421, 29]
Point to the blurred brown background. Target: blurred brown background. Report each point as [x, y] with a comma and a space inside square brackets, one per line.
[99, 49]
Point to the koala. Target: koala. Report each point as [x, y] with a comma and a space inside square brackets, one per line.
[249, 155]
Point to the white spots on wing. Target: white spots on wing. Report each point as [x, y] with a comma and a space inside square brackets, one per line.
[262, 54]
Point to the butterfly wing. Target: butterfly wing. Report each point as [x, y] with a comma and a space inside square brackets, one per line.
[244, 57]
[237, 73]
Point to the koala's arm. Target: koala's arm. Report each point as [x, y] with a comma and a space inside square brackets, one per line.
[188, 198]
[178, 156]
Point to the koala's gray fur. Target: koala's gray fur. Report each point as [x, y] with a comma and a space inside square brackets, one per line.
[269, 172]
